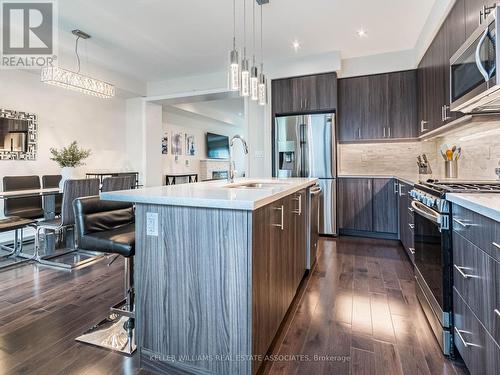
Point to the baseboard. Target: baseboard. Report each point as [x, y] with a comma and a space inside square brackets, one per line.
[362, 233]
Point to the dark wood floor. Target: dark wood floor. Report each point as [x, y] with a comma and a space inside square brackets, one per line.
[358, 310]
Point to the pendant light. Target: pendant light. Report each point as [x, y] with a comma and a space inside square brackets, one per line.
[245, 71]
[234, 59]
[262, 78]
[68, 79]
[254, 71]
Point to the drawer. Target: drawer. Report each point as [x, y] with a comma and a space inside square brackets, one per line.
[474, 278]
[478, 350]
[480, 230]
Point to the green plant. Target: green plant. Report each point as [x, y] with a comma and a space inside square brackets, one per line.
[71, 156]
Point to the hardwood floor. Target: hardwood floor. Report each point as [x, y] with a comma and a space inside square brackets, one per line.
[357, 311]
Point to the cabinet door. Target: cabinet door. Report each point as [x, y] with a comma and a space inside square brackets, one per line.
[436, 94]
[353, 98]
[376, 115]
[385, 206]
[402, 121]
[299, 232]
[455, 37]
[282, 96]
[472, 9]
[355, 204]
[422, 91]
[321, 92]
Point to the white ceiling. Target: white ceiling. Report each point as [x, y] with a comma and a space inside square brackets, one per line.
[154, 40]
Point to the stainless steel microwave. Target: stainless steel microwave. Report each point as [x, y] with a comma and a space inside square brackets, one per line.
[474, 82]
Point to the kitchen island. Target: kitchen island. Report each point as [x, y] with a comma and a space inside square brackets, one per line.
[217, 266]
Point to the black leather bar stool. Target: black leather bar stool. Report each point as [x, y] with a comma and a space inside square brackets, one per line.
[109, 227]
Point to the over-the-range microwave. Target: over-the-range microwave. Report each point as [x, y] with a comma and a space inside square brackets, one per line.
[474, 82]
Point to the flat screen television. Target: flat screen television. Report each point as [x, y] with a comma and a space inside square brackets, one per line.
[217, 146]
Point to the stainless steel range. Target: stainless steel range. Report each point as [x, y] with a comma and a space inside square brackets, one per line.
[433, 250]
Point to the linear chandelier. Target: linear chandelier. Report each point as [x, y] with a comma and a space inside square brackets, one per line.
[68, 79]
[249, 81]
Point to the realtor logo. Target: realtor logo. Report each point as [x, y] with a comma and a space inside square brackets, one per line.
[28, 33]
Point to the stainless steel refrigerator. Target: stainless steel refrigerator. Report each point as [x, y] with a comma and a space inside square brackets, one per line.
[305, 146]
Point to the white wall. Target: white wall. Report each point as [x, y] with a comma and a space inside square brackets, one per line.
[65, 116]
[178, 121]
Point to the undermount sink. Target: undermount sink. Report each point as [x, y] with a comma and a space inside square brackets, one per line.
[257, 185]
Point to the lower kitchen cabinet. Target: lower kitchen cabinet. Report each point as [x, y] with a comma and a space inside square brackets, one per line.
[368, 206]
[406, 220]
[278, 263]
[385, 205]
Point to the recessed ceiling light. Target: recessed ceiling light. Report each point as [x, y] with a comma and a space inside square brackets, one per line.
[361, 33]
[296, 45]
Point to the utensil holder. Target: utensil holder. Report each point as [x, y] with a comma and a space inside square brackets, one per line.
[451, 169]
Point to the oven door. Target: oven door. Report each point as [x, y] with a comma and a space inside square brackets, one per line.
[433, 258]
[473, 75]
[433, 270]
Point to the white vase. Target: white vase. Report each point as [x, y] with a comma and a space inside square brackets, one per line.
[67, 173]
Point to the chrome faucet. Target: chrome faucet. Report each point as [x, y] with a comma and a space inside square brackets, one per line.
[230, 175]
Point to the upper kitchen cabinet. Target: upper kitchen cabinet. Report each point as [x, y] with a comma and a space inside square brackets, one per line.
[433, 75]
[314, 93]
[473, 11]
[379, 106]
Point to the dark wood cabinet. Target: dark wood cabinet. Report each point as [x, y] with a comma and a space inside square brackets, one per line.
[402, 94]
[472, 13]
[278, 264]
[355, 204]
[406, 219]
[313, 93]
[433, 74]
[368, 205]
[385, 205]
[379, 106]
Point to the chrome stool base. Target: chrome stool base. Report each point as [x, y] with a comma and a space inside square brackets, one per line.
[112, 333]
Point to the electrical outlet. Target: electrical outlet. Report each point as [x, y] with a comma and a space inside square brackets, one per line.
[152, 224]
[259, 154]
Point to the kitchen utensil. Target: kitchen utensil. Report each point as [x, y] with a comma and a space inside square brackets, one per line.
[424, 156]
[419, 158]
[449, 155]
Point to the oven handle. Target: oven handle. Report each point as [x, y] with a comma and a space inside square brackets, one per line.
[425, 213]
[479, 63]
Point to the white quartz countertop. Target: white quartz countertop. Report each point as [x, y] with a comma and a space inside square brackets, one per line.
[408, 180]
[214, 194]
[486, 204]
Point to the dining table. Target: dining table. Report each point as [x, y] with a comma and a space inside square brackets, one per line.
[49, 203]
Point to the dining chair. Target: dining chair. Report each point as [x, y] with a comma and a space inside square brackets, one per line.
[52, 182]
[125, 182]
[73, 189]
[25, 207]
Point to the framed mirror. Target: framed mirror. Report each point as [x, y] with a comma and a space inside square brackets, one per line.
[18, 135]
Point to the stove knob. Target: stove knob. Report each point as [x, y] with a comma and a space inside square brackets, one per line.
[431, 201]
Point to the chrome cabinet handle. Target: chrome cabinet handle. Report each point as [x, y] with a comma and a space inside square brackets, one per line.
[411, 209]
[281, 226]
[446, 108]
[496, 311]
[422, 126]
[396, 188]
[298, 198]
[496, 245]
[465, 225]
[389, 132]
[359, 133]
[459, 334]
[465, 275]
[384, 133]
[412, 226]
[412, 250]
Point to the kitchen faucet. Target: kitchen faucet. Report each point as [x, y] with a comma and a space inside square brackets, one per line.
[230, 175]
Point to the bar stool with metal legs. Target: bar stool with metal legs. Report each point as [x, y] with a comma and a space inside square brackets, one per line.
[109, 227]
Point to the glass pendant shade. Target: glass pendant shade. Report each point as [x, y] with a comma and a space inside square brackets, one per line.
[75, 81]
[234, 71]
[254, 84]
[245, 78]
[262, 89]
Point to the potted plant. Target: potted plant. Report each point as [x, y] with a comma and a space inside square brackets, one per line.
[68, 159]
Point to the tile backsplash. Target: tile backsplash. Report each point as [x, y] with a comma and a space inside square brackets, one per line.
[480, 144]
